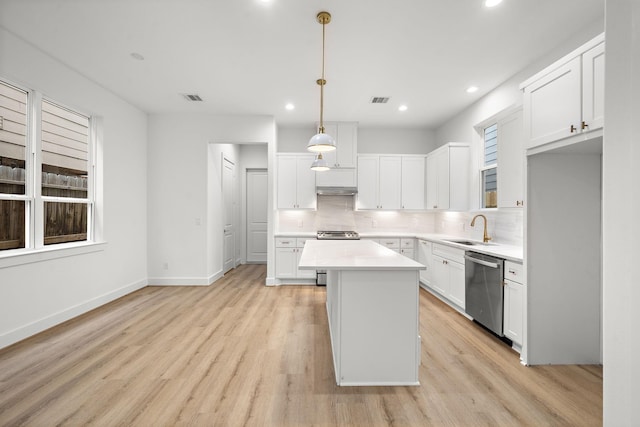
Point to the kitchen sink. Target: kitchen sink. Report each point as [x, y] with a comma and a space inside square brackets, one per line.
[467, 242]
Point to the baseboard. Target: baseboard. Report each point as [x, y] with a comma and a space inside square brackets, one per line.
[185, 281]
[45, 323]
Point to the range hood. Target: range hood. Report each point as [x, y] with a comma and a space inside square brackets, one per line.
[336, 191]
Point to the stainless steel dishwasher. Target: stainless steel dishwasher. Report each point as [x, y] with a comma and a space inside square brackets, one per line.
[483, 290]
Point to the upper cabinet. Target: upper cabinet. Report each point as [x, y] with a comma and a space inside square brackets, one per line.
[346, 137]
[390, 182]
[511, 161]
[448, 177]
[296, 181]
[379, 179]
[566, 98]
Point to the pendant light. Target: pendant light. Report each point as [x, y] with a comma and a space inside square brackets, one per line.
[322, 141]
[320, 164]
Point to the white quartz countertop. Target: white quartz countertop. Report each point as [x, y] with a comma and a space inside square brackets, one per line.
[353, 255]
[500, 250]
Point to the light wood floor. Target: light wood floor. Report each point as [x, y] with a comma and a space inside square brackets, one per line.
[240, 353]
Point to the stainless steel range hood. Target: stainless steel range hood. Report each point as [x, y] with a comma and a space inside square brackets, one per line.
[336, 191]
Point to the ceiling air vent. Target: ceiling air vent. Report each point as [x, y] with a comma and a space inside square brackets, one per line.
[379, 99]
[192, 97]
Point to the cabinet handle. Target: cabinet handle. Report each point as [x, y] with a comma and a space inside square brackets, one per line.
[584, 125]
[435, 206]
[572, 129]
[519, 202]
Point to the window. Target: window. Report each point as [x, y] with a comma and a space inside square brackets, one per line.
[489, 169]
[46, 171]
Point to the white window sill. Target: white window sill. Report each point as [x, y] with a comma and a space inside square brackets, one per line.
[28, 256]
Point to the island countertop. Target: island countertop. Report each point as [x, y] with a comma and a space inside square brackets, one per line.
[353, 255]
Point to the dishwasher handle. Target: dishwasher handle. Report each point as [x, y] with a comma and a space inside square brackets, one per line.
[481, 262]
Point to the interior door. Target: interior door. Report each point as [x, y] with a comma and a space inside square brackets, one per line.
[257, 216]
[228, 201]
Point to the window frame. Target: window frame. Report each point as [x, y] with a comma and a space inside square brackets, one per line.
[484, 167]
[33, 198]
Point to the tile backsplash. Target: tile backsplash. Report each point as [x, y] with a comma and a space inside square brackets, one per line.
[337, 213]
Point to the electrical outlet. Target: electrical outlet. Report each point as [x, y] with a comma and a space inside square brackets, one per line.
[198, 221]
[374, 223]
[165, 265]
[300, 223]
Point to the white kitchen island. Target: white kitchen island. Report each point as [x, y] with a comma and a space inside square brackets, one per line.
[372, 306]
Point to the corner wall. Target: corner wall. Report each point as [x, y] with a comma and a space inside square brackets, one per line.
[43, 293]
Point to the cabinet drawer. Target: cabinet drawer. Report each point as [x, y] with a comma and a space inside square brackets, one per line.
[300, 241]
[452, 254]
[513, 271]
[406, 243]
[390, 243]
[286, 242]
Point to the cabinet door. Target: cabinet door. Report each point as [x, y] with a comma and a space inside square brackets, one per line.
[347, 140]
[432, 182]
[593, 88]
[306, 182]
[552, 105]
[286, 263]
[440, 275]
[456, 283]
[511, 159]
[412, 191]
[367, 182]
[409, 253]
[287, 179]
[424, 257]
[442, 179]
[389, 183]
[513, 310]
[331, 156]
[303, 274]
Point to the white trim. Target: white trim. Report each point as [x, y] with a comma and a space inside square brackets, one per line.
[14, 257]
[54, 319]
[185, 281]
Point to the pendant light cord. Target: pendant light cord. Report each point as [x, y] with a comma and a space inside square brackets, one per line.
[322, 82]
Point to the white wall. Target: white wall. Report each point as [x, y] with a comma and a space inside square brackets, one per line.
[42, 293]
[370, 140]
[185, 185]
[621, 204]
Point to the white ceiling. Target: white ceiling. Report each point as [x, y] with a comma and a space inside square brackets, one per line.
[252, 56]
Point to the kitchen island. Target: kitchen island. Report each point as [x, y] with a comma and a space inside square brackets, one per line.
[372, 307]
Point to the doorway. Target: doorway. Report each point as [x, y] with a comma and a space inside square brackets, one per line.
[257, 186]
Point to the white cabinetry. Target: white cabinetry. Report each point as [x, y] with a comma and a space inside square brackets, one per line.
[566, 98]
[379, 180]
[346, 137]
[390, 182]
[511, 161]
[448, 177]
[288, 251]
[514, 295]
[407, 248]
[448, 273]
[296, 181]
[425, 257]
[412, 192]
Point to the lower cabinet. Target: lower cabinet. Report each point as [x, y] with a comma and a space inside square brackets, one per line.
[514, 297]
[447, 276]
[425, 257]
[288, 251]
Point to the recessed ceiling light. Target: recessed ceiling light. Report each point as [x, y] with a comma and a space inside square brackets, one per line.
[290, 107]
[402, 108]
[136, 55]
[492, 3]
[472, 89]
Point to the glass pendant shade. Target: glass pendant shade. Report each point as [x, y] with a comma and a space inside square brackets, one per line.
[319, 164]
[321, 142]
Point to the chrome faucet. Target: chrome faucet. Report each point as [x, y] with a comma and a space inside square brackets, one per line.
[485, 237]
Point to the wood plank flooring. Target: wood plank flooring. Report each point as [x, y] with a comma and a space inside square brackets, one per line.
[238, 353]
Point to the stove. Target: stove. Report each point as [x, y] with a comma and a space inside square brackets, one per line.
[321, 275]
[337, 235]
